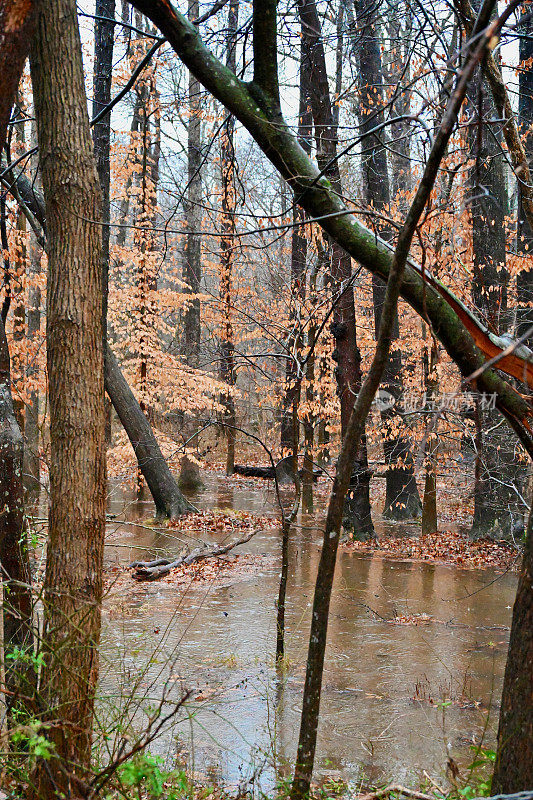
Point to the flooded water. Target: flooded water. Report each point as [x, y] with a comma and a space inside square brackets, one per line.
[386, 710]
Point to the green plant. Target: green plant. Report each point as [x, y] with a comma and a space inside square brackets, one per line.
[32, 741]
[146, 774]
[479, 774]
[26, 656]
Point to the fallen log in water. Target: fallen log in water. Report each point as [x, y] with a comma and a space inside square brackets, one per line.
[284, 473]
[152, 570]
[254, 472]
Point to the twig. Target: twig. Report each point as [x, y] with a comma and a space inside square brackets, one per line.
[152, 570]
[434, 783]
[394, 787]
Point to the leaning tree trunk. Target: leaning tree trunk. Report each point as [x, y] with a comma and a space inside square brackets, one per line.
[73, 579]
[357, 509]
[168, 499]
[402, 500]
[513, 771]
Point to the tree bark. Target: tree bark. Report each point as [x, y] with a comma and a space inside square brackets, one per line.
[18, 280]
[429, 522]
[73, 578]
[146, 279]
[310, 420]
[102, 78]
[513, 770]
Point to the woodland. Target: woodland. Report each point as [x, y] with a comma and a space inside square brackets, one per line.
[265, 381]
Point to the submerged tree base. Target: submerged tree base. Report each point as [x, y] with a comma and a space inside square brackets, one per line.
[402, 501]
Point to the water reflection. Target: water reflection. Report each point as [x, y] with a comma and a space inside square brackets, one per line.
[383, 682]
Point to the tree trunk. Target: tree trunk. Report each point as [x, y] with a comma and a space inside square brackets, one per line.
[102, 79]
[429, 503]
[104, 11]
[17, 25]
[228, 166]
[17, 600]
[73, 578]
[310, 420]
[290, 423]
[146, 278]
[397, 71]
[18, 281]
[140, 100]
[357, 513]
[513, 770]
[32, 462]
[495, 501]
[192, 268]
[168, 499]
[524, 244]
[402, 500]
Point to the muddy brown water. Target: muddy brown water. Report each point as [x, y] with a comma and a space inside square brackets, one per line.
[398, 699]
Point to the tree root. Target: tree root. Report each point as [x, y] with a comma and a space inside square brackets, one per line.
[152, 570]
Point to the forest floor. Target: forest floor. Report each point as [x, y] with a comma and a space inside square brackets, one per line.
[443, 547]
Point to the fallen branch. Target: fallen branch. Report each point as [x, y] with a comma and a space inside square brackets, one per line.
[152, 570]
[396, 789]
[252, 471]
